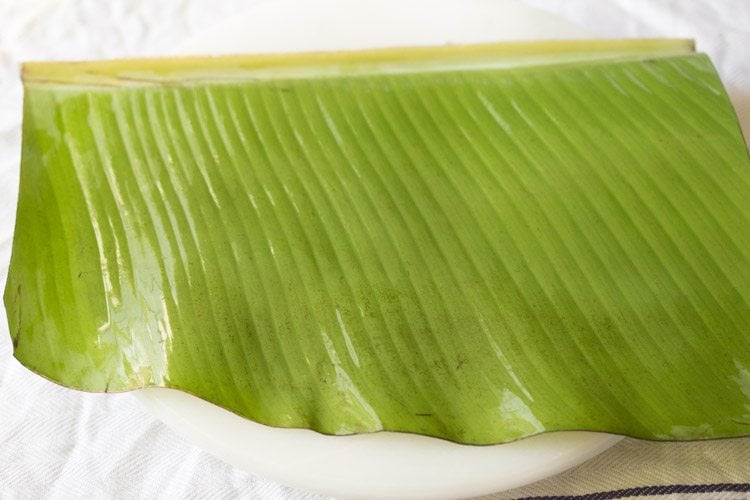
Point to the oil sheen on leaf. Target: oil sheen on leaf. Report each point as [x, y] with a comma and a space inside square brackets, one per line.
[478, 244]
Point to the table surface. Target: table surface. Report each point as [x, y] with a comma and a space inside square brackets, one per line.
[59, 443]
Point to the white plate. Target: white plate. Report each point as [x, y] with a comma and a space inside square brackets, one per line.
[380, 465]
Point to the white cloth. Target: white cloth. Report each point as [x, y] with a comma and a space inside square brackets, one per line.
[57, 443]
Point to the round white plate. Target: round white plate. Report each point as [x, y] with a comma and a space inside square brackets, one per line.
[385, 464]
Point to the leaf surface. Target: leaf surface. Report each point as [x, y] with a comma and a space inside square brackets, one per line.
[478, 253]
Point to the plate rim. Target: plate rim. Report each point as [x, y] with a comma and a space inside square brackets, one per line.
[170, 409]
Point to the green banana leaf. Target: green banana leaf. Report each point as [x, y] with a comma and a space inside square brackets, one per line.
[475, 243]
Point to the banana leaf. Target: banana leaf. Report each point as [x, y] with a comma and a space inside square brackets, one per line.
[477, 243]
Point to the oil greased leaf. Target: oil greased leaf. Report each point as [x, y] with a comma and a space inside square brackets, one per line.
[478, 244]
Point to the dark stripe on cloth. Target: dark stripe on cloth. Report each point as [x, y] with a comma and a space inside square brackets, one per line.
[640, 491]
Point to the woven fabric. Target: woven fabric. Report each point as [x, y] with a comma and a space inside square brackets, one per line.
[645, 466]
[57, 443]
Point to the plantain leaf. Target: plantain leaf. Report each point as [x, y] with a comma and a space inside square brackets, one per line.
[475, 243]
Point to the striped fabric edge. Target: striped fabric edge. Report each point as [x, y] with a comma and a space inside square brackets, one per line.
[640, 491]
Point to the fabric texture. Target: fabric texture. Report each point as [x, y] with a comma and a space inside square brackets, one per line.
[58, 443]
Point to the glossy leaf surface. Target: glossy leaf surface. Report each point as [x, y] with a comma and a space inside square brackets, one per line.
[478, 254]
